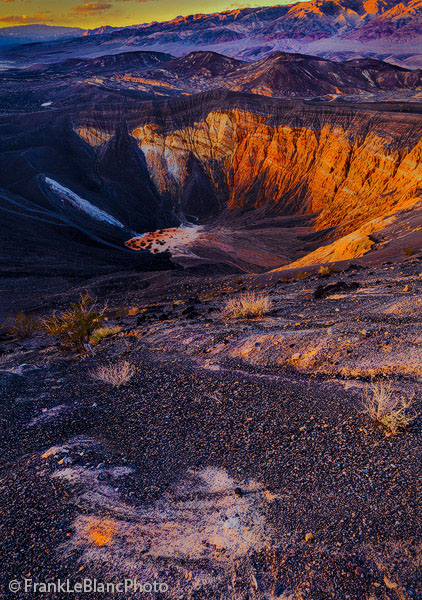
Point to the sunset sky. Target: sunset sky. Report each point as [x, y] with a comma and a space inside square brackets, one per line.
[92, 13]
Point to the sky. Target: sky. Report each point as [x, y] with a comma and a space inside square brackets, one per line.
[93, 13]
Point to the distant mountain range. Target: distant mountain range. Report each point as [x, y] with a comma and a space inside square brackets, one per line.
[22, 34]
[334, 29]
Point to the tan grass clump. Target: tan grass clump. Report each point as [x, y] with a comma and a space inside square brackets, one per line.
[115, 374]
[248, 306]
[393, 412]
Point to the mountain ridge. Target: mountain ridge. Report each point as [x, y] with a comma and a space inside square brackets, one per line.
[20, 34]
[335, 29]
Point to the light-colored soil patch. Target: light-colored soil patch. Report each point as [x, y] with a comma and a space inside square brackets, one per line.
[349, 353]
[207, 517]
[175, 240]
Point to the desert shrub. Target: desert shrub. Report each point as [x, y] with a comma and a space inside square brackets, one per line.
[75, 326]
[409, 251]
[301, 275]
[115, 374]
[326, 270]
[131, 312]
[393, 412]
[102, 333]
[20, 326]
[248, 306]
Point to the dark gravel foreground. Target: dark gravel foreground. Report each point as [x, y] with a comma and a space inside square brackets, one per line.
[332, 504]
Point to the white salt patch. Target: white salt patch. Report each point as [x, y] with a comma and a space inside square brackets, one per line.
[68, 197]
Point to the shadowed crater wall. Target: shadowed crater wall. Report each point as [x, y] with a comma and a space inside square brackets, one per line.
[81, 182]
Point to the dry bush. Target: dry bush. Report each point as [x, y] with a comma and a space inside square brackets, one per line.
[115, 374]
[75, 326]
[20, 326]
[326, 270]
[247, 306]
[394, 413]
[102, 333]
[300, 275]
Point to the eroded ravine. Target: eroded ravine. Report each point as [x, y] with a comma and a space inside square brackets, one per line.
[346, 175]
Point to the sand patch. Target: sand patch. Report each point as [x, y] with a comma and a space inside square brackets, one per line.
[407, 307]
[201, 526]
[102, 532]
[333, 351]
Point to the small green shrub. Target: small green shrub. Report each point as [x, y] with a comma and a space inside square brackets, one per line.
[20, 326]
[75, 326]
[102, 333]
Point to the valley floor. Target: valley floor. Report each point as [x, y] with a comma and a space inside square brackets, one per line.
[237, 462]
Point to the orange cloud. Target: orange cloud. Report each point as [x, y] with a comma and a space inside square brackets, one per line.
[24, 19]
[91, 8]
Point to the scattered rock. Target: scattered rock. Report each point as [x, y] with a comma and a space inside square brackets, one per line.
[323, 291]
[391, 585]
[164, 316]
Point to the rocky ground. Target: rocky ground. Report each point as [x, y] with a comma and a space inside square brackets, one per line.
[237, 462]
